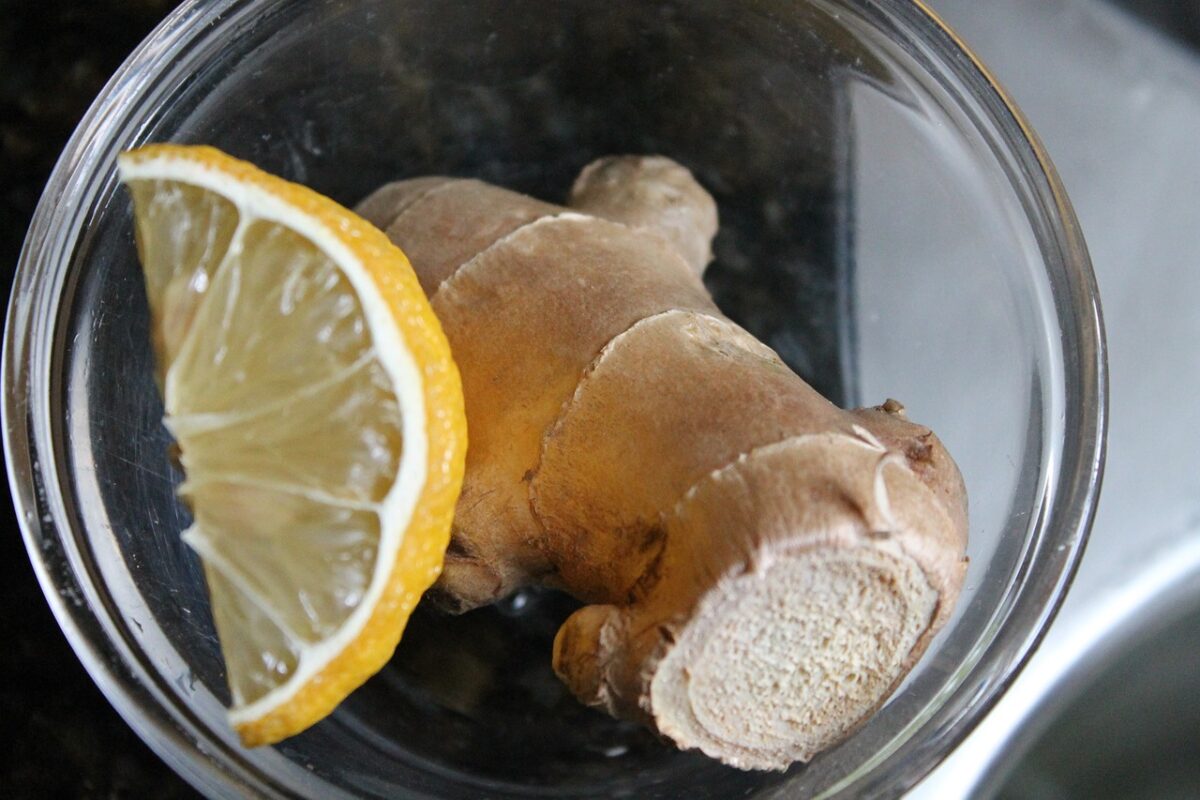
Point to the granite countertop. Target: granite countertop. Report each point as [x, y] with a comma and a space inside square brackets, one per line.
[65, 739]
[55, 55]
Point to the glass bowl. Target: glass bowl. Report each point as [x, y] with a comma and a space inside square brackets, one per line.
[889, 224]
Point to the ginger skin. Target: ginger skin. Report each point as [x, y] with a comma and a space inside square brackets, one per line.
[762, 568]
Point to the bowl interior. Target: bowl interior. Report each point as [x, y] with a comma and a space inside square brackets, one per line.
[883, 227]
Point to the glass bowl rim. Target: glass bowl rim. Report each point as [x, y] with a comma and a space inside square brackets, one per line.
[183, 742]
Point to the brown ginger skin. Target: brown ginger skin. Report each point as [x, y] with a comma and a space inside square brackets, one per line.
[762, 568]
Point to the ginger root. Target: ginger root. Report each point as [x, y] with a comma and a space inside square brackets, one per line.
[762, 568]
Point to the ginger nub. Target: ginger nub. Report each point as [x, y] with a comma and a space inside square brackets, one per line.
[762, 568]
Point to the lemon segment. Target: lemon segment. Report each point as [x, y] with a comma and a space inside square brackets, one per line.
[319, 418]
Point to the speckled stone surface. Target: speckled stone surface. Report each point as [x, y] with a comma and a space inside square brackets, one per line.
[64, 738]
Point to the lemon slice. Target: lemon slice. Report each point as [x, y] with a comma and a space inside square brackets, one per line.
[319, 418]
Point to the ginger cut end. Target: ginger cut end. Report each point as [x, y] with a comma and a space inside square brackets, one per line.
[856, 617]
[765, 652]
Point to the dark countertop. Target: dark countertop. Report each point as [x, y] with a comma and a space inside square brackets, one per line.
[65, 739]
